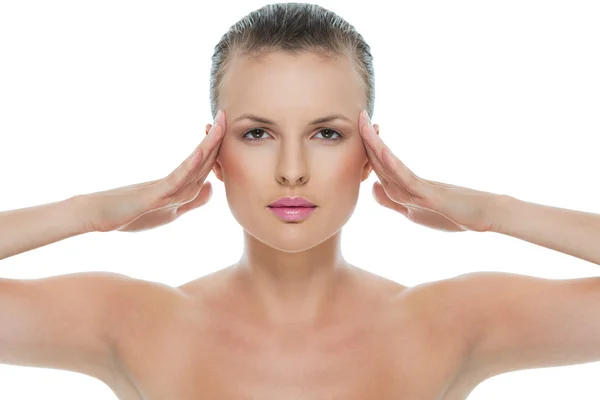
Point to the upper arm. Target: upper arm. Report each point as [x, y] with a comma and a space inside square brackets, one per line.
[520, 322]
[62, 322]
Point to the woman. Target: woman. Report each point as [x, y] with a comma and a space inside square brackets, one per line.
[292, 318]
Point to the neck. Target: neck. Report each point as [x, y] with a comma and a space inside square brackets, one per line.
[299, 287]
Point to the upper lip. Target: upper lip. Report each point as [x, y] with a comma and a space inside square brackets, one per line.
[292, 202]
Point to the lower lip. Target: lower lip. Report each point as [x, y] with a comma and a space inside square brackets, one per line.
[292, 213]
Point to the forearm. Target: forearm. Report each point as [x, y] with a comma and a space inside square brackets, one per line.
[575, 233]
[29, 228]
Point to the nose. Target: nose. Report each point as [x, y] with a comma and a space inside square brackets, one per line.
[287, 181]
[292, 167]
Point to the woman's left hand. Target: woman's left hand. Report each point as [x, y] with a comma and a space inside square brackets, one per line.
[432, 204]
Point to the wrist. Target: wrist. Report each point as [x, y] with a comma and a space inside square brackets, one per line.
[83, 210]
[500, 208]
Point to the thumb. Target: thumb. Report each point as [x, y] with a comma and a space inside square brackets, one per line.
[201, 199]
[382, 198]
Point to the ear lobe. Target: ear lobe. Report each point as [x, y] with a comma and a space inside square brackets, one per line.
[366, 171]
[218, 170]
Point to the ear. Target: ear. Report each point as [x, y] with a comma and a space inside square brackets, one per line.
[367, 167]
[217, 169]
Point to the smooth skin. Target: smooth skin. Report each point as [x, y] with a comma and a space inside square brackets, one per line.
[435, 341]
[152, 204]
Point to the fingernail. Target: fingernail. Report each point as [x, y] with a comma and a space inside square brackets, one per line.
[218, 117]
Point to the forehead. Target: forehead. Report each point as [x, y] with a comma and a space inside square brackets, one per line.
[299, 82]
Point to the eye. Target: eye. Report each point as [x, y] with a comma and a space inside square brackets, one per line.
[258, 131]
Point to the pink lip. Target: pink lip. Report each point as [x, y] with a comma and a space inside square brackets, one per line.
[292, 202]
[292, 213]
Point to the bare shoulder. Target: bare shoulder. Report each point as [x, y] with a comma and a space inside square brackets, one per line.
[456, 306]
[445, 307]
[141, 306]
[446, 303]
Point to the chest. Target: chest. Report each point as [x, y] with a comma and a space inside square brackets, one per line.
[370, 357]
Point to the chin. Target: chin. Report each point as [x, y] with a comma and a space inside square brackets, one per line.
[289, 238]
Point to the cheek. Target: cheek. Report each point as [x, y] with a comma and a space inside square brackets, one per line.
[343, 166]
[345, 171]
[238, 166]
[352, 159]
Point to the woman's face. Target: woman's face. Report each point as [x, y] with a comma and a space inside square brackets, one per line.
[260, 162]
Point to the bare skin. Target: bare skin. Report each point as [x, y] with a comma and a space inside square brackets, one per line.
[292, 319]
[381, 340]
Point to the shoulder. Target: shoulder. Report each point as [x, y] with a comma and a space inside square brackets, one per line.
[447, 306]
[137, 305]
[465, 304]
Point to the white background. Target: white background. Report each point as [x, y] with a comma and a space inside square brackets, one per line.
[496, 96]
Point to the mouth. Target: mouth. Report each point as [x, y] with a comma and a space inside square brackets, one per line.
[292, 207]
[292, 214]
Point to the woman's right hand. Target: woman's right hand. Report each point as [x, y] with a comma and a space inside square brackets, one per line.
[152, 204]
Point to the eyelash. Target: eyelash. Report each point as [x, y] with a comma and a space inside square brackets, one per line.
[260, 140]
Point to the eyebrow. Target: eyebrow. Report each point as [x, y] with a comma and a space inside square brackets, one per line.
[262, 120]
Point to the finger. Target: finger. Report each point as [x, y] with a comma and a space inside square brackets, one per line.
[198, 176]
[375, 164]
[376, 145]
[368, 147]
[184, 174]
[389, 165]
[402, 175]
[208, 161]
[378, 167]
[206, 165]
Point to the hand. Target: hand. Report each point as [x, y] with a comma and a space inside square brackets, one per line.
[151, 204]
[432, 204]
